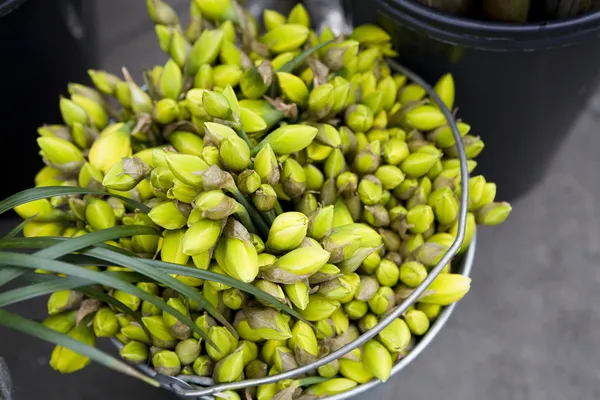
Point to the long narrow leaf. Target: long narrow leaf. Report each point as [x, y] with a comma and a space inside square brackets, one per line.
[160, 265]
[89, 239]
[47, 284]
[300, 58]
[81, 242]
[79, 284]
[17, 229]
[33, 262]
[140, 265]
[7, 274]
[39, 331]
[45, 192]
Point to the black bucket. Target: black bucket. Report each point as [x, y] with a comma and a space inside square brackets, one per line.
[45, 45]
[519, 86]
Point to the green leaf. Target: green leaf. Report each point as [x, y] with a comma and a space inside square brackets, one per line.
[33, 262]
[17, 229]
[140, 265]
[77, 283]
[39, 331]
[291, 65]
[43, 284]
[81, 242]
[45, 192]
[161, 266]
[7, 274]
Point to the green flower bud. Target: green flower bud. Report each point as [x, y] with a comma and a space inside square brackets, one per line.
[61, 153]
[285, 37]
[340, 288]
[111, 146]
[216, 105]
[99, 214]
[342, 245]
[369, 35]
[265, 198]
[376, 215]
[446, 289]
[356, 309]
[104, 81]
[256, 369]
[396, 336]
[188, 351]
[341, 214]
[370, 190]
[235, 252]
[171, 80]
[272, 19]
[306, 204]
[227, 74]
[387, 273]
[94, 110]
[382, 301]
[230, 368]
[205, 50]
[234, 298]
[284, 360]
[105, 323]
[320, 222]
[201, 237]
[187, 142]
[167, 363]
[298, 264]
[368, 159]
[169, 215]
[270, 288]
[204, 77]
[335, 164]
[253, 84]
[265, 164]
[287, 231]
[417, 322]
[369, 237]
[326, 273]
[226, 343]
[293, 178]
[331, 387]
[319, 307]
[61, 322]
[177, 328]
[352, 368]
[431, 310]
[293, 88]
[367, 323]
[321, 99]
[444, 203]
[216, 10]
[370, 264]
[377, 360]
[288, 139]
[329, 370]
[493, 213]
[297, 293]
[390, 176]
[135, 352]
[67, 361]
[420, 218]
[203, 366]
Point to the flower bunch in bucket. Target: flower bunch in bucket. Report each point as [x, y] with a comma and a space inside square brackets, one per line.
[259, 202]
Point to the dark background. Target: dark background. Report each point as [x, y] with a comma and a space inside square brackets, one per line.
[528, 330]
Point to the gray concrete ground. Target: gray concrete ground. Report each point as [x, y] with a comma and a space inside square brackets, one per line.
[528, 330]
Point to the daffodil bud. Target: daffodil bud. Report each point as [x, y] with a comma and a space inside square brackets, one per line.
[285, 37]
[287, 231]
[288, 139]
[203, 366]
[235, 252]
[67, 361]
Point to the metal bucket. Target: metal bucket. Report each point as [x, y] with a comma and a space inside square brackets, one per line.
[189, 386]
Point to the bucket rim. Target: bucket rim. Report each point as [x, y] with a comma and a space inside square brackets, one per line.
[492, 34]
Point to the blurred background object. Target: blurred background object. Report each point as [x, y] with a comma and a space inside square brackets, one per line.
[45, 45]
[527, 331]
